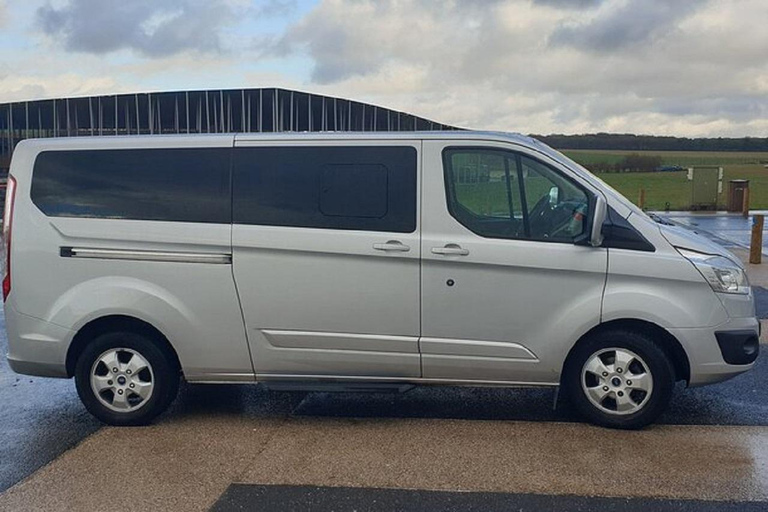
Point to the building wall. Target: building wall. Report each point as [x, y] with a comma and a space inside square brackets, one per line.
[222, 111]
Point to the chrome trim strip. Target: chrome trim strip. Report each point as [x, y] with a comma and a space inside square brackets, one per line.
[121, 254]
[336, 341]
[472, 349]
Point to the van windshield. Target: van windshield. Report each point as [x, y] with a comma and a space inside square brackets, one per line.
[609, 189]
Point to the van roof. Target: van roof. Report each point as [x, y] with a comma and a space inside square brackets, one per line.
[449, 134]
[106, 140]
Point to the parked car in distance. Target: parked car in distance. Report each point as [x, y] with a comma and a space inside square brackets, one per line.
[669, 168]
[366, 261]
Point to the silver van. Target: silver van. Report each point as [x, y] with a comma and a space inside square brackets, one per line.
[356, 262]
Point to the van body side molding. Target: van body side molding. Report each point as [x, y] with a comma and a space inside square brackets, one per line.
[123, 254]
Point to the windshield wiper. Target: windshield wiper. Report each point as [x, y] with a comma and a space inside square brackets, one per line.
[659, 219]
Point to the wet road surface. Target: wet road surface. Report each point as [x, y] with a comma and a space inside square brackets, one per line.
[39, 420]
[727, 229]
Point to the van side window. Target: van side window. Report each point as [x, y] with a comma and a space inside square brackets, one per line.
[350, 190]
[352, 187]
[178, 185]
[501, 194]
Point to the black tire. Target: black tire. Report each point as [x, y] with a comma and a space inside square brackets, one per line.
[164, 377]
[655, 360]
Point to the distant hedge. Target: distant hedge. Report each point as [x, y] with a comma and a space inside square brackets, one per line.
[630, 142]
[630, 163]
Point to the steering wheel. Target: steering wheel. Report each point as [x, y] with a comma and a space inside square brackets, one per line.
[540, 209]
[552, 221]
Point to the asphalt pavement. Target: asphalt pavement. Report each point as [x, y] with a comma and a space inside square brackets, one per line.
[332, 499]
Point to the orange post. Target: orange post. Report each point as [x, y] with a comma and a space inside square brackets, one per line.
[641, 199]
[756, 245]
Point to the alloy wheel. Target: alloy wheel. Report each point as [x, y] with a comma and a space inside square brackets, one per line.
[617, 381]
[122, 380]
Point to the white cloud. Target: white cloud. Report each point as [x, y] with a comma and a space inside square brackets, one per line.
[150, 27]
[542, 66]
[623, 24]
[25, 87]
[684, 68]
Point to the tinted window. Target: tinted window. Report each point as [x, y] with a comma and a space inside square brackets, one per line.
[354, 191]
[500, 194]
[184, 185]
[364, 188]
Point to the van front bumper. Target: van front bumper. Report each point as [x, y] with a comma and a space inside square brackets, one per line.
[719, 353]
[36, 347]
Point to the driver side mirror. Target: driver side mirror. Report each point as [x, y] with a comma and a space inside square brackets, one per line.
[601, 208]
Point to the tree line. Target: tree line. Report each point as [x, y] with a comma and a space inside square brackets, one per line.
[629, 163]
[630, 142]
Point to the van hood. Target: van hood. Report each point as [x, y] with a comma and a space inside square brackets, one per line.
[687, 239]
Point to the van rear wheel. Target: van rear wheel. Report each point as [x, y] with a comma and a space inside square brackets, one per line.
[124, 378]
[619, 379]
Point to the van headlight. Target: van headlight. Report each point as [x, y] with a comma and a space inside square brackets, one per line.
[722, 274]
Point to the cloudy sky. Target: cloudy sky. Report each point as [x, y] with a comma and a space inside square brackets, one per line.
[674, 67]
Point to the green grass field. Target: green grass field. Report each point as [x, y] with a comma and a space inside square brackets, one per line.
[674, 187]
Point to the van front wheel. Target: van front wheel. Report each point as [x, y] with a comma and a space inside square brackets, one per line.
[124, 378]
[619, 379]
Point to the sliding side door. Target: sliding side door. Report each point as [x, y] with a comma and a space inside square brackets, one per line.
[326, 257]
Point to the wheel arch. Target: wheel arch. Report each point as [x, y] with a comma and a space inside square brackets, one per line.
[668, 342]
[116, 323]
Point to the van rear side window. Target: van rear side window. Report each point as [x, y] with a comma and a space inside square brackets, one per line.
[353, 187]
[177, 185]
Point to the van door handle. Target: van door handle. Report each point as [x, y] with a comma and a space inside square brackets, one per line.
[392, 246]
[450, 250]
